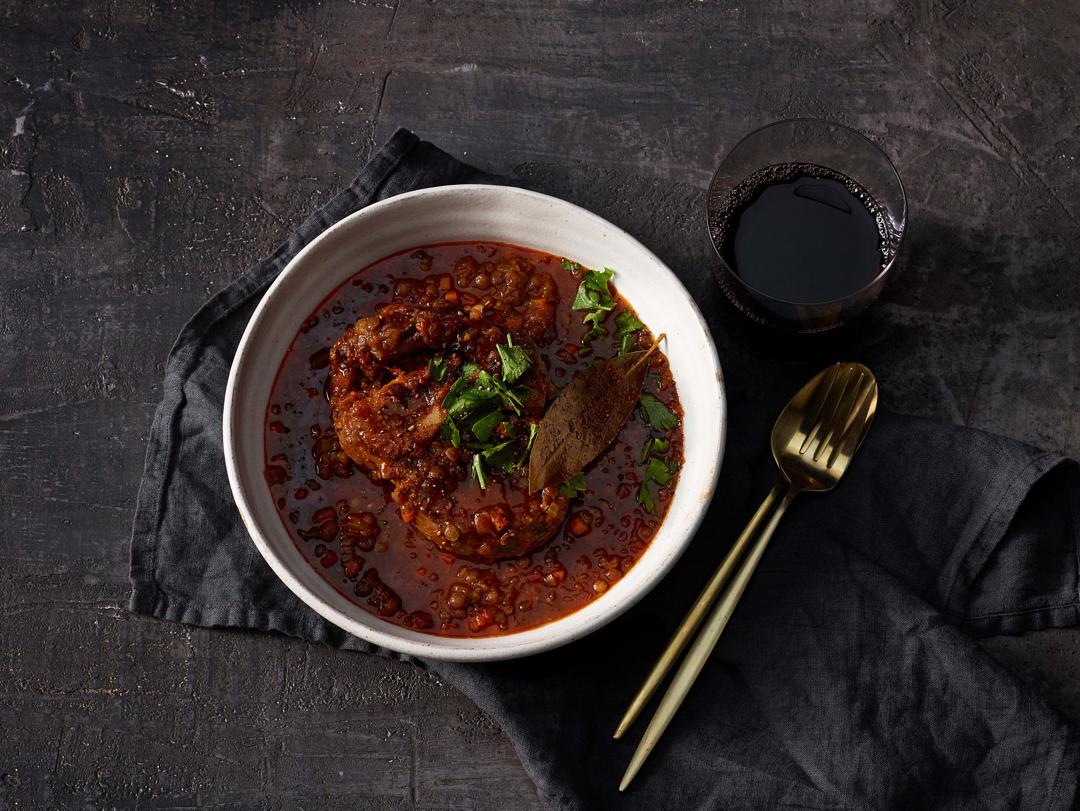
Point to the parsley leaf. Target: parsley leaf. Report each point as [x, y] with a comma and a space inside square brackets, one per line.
[515, 360]
[596, 329]
[627, 325]
[500, 457]
[645, 498]
[654, 445]
[449, 431]
[586, 299]
[478, 471]
[598, 280]
[466, 395]
[594, 320]
[568, 265]
[437, 368]
[574, 485]
[626, 322]
[594, 296]
[593, 292]
[656, 413]
[483, 427]
[658, 471]
[511, 398]
[475, 388]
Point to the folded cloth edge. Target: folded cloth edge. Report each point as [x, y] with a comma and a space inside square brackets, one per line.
[982, 547]
[146, 596]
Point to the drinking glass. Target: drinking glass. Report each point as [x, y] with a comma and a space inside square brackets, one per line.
[824, 144]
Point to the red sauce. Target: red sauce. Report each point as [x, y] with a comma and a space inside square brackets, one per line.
[349, 530]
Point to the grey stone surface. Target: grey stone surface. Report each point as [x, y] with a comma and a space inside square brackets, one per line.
[151, 151]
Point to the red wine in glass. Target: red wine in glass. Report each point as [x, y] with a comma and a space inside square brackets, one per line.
[802, 245]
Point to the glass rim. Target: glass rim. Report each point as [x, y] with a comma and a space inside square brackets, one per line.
[886, 268]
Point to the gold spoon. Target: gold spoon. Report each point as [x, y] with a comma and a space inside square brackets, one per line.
[813, 441]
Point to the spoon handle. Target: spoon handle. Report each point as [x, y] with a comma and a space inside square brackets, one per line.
[703, 646]
[693, 619]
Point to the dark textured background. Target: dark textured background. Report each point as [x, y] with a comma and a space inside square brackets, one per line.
[149, 152]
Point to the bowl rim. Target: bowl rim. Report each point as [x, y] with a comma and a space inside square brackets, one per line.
[513, 645]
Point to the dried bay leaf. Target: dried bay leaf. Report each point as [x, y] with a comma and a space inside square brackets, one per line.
[585, 417]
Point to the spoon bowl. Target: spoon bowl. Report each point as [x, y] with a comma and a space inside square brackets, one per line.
[818, 432]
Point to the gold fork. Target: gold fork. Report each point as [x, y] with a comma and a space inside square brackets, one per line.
[813, 441]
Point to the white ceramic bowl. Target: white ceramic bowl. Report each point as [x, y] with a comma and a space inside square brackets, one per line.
[481, 213]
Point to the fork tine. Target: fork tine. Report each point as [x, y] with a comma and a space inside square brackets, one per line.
[817, 400]
[825, 405]
[862, 416]
[855, 416]
[844, 409]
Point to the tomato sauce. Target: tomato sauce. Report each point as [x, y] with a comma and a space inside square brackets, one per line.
[350, 531]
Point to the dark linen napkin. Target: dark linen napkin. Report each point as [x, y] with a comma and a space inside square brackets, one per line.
[848, 677]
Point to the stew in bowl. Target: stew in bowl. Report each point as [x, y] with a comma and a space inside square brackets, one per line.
[480, 445]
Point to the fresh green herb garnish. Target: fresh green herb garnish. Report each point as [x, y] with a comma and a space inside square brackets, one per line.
[596, 329]
[568, 265]
[626, 327]
[594, 320]
[658, 471]
[465, 396]
[449, 431]
[438, 368]
[478, 471]
[654, 446]
[511, 398]
[574, 485]
[515, 360]
[645, 498]
[470, 391]
[501, 457]
[482, 402]
[626, 322]
[656, 413]
[594, 296]
[483, 427]
[593, 292]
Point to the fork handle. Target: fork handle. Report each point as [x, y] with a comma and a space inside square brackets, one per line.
[703, 646]
[693, 619]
